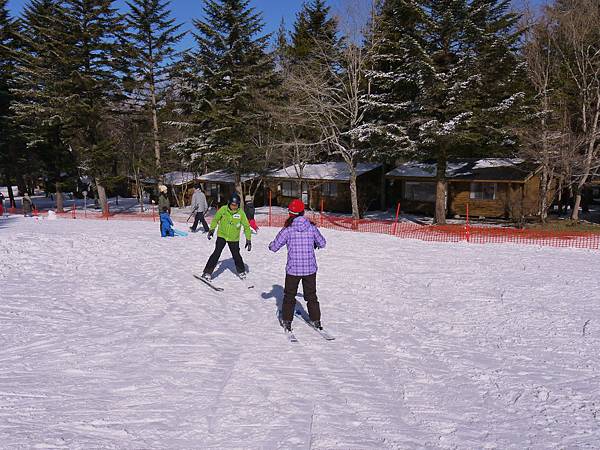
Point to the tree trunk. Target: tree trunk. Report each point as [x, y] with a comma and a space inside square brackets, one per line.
[11, 194]
[544, 195]
[59, 198]
[440, 191]
[354, 192]
[239, 187]
[102, 197]
[155, 130]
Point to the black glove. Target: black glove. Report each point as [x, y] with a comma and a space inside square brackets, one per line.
[248, 245]
[316, 246]
[210, 234]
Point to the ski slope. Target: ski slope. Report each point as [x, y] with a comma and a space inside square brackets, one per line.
[107, 341]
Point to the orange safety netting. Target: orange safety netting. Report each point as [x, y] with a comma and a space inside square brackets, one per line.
[437, 233]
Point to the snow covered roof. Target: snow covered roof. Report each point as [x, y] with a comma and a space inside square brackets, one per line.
[337, 171]
[502, 169]
[179, 178]
[224, 176]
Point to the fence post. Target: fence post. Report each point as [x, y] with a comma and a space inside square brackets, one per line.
[322, 209]
[396, 221]
[270, 205]
[73, 211]
[467, 227]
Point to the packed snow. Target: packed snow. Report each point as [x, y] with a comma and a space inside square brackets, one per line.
[325, 171]
[107, 341]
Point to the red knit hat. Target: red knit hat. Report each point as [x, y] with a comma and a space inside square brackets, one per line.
[296, 207]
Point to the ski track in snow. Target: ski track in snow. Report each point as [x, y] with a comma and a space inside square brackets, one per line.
[107, 341]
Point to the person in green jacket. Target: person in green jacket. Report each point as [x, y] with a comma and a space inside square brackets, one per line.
[230, 219]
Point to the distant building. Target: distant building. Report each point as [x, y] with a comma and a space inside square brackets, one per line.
[492, 187]
[328, 182]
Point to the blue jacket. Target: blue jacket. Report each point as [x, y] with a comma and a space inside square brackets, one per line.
[166, 225]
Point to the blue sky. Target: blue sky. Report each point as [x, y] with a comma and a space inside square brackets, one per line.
[185, 10]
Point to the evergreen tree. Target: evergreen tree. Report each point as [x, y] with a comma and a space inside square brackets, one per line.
[152, 35]
[399, 67]
[44, 66]
[226, 81]
[93, 87]
[314, 33]
[454, 77]
[9, 160]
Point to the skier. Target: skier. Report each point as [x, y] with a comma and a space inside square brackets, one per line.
[229, 219]
[301, 237]
[27, 205]
[249, 210]
[166, 224]
[200, 205]
[1, 204]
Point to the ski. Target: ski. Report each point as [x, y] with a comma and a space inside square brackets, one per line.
[324, 334]
[246, 282]
[290, 335]
[209, 283]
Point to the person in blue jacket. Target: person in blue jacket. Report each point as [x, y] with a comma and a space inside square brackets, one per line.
[166, 224]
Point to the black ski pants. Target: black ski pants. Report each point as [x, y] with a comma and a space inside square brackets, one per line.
[234, 247]
[200, 218]
[309, 286]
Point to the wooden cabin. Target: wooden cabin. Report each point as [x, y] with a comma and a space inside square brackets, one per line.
[492, 187]
[220, 185]
[328, 183]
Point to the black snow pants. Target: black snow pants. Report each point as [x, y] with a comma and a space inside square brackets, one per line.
[309, 286]
[200, 218]
[234, 247]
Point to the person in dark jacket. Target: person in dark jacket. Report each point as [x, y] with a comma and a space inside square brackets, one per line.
[166, 224]
[163, 202]
[249, 209]
[200, 205]
[28, 205]
[301, 237]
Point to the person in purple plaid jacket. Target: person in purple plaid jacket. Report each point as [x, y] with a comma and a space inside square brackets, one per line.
[301, 237]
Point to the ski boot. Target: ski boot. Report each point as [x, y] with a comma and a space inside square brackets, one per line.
[242, 275]
[317, 324]
[287, 325]
[207, 277]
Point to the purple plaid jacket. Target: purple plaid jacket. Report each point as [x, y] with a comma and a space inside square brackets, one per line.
[301, 237]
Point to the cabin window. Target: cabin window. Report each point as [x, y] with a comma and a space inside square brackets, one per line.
[289, 189]
[483, 191]
[212, 189]
[329, 190]
[419, 191]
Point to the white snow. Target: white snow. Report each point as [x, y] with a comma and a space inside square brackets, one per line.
[179, 178]
[107, 341]
[224, 176]
[424, 170]
[325, 171]
[497, 162]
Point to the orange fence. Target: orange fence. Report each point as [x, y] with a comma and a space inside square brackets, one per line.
[407, 230]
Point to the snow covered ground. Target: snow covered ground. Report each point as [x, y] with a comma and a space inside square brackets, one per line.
[107, 341]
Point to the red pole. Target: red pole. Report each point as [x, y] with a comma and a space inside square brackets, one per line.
[467, 228]
[73, 214]
[322, 209]
[270, 205]
[396, 221]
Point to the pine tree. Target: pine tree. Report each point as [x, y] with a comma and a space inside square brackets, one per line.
[314, 33]
[44, 66]
[9, 169]
[446, 79]
[152, 35]
[93, 87]
[226, 80]
[399, 67]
